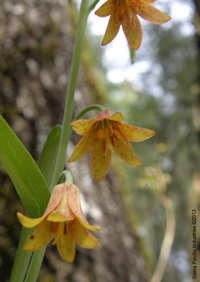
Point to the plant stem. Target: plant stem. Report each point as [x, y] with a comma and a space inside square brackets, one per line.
[66, 129]
[89, 108]
[22, 258]
[35, 266]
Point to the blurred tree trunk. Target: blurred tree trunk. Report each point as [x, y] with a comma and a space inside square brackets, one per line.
[36, 47]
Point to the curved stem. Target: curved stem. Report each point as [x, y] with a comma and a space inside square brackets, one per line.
[168, 239]
[90, 108]
[67, 175]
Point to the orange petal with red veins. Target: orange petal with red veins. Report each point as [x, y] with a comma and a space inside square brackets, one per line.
[116, 117]
[125, 152]
[100, 160]
[82, 236]
[43, 234]
[112, 29]
[82, 126]
[133, 133]
[150, 13]
[83, 146]
[105, 9]
[75, 206]
[66, 245]
[132, 29]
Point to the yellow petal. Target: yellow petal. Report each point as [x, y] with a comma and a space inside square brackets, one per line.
[82, 126]
[43, 234]
[66, 245]
[116, 117]
[29, 222]
[125, 151]
[112, 29]
[75, 206]
[53, 202]
[150, 13]
[100, 160]
[132, 29]
[56, 216]
[82, 236]
[105, 9]
[133, 133]
[83, 146]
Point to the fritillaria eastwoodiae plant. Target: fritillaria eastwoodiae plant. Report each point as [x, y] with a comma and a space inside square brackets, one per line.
[51, 199]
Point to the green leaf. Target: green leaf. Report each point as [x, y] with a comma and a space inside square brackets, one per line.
[48, 156]
[23, 171]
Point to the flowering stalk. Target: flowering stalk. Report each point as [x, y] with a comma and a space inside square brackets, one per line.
[66, 129]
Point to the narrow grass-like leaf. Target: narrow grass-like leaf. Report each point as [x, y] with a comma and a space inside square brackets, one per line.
[48, 156]
[23, 171]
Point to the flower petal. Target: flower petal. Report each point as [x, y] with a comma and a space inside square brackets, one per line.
[116, 117]
[83, 146]
[82, 126]
[105, 114]
[29, 222]
[112, 29]
[63, 207]
[125, 151]
[55, 198]
[43, 234]
[56, 216]
[150, 13]
[66, 245]
[53, 202]
[100, 160]
[75, 206]
[133, 133]
[82, 236]
[105, 9]
[132, 28]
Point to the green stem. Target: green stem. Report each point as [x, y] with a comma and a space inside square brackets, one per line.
[92, 6]
[68, 177]
[35, 266]
[22, 258]
[92, 107]
[66, 129]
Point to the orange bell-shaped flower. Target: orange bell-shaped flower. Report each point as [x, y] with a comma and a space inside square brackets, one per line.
[64, 220]
[106, 133]
[124, 12]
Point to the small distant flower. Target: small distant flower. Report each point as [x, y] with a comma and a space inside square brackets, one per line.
[105, 133]
[64, 220]
[124, 12]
